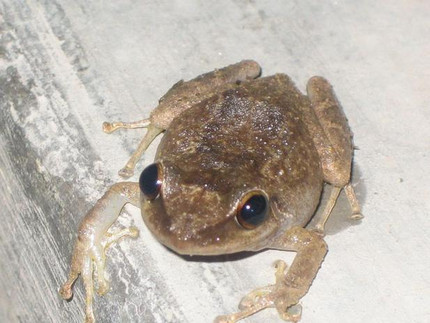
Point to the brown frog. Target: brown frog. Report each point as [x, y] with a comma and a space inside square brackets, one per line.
[241, 167]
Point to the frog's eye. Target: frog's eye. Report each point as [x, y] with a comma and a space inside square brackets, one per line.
[150, 181]
[252, 210]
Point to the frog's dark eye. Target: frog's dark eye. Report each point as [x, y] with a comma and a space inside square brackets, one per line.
[252, 210]
[150, 181]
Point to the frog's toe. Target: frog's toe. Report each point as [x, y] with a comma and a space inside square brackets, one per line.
[249, 300]
[357, 216]
[291, 314]
[281, 268]
[225, 319]
[103, 287]
[108, 127]
[126, 172]
[66, 292]
[257, 295]
[134, 232]
[89, 318]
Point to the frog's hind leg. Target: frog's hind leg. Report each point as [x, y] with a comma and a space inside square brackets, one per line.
[151, 134]
[333, 140]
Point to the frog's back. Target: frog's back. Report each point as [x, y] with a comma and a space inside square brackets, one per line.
[253, 136]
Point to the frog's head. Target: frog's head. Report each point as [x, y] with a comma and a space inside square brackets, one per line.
[207, 212]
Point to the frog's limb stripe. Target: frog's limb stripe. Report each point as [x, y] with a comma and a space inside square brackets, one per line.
[93, 239]
[110, 127]
[292, 284]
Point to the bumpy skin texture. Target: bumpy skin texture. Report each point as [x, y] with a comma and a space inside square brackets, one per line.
[243, 139]
[227, 134]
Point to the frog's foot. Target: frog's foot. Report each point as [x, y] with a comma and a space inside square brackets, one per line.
[253, 297]
[89, 253]
[99, 255]
[110, 127]
[353, 201]
[152, 132]
[82, 264]
[256, 307]
[65, 291]
[285, 302]
[319, 226]
[249, 301]
[85, 259]
[279, 295]
[111, 238]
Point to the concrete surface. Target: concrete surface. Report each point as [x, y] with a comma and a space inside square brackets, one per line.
[67, 66]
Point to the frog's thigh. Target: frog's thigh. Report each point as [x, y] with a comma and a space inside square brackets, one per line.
[333, 140]
[197, 88]
[184, 95]
[335, 149]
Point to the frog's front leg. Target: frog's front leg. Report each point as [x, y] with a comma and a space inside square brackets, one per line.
[181, 97]
[291, 284]
[93, 240]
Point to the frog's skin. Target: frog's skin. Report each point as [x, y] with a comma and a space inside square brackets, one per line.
[228, 134]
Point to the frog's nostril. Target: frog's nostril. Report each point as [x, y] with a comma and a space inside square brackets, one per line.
[150, 181]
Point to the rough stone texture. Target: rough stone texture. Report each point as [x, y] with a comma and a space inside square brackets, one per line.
[67, 66]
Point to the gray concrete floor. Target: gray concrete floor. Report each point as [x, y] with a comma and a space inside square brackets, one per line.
[67, 66]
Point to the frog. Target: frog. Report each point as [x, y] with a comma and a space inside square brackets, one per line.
[240, 168]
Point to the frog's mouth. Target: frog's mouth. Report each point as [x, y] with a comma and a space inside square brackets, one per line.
[224, 237]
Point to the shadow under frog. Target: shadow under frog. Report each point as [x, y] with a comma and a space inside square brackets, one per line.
[240, 168]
